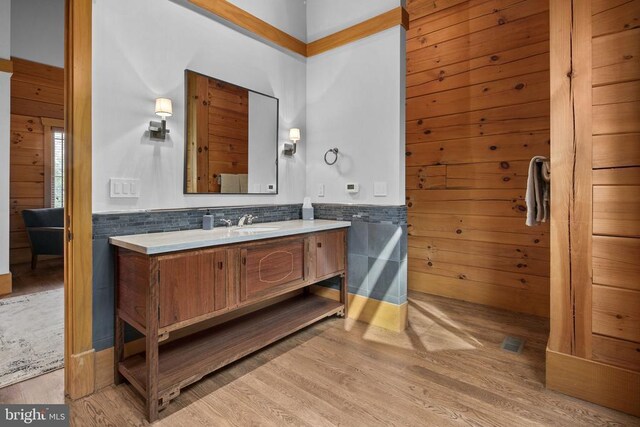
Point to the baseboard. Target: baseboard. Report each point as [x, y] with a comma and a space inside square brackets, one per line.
[596, 382]
[368, 310]
[82, 383]
[503, 297]
[6, 283]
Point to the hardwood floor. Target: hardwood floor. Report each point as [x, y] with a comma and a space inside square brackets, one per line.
[48, 276]
[446, 369]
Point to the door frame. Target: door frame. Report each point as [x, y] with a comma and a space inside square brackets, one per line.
[79, 353]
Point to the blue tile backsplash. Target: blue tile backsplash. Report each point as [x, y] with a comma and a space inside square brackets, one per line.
[377, 248]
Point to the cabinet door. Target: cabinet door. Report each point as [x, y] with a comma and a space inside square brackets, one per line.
[191, 284]
[271, 268]
[330, 249]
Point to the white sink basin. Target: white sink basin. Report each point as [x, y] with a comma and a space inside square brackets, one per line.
[249, 230]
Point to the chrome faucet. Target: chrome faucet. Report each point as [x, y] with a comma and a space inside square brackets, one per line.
[246, 218]
[227, 222]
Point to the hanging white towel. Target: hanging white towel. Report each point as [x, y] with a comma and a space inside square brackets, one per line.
[243, 180]
[229, 183]
[537, 197]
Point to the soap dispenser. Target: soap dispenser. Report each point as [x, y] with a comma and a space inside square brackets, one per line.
[307, 209]
[207, 221]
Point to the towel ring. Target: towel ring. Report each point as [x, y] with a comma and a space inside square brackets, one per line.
[335, 153]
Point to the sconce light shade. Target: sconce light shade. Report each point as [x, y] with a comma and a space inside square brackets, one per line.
[163, 107]
[290, 148]
[158, 130]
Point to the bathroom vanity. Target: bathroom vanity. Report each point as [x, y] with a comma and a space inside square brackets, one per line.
[204, 299]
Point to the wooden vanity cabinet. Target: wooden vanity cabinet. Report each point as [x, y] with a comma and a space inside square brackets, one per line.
[191, 285]
[160, 294]
[271, 267]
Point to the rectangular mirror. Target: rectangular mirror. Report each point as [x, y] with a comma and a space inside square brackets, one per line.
[231, 138]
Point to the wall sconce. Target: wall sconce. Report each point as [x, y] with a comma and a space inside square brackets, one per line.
[294, 136]
[158, 130]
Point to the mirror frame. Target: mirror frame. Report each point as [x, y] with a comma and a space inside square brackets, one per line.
[186, 139]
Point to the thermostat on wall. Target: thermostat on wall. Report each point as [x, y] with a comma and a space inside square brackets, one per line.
[352, 187]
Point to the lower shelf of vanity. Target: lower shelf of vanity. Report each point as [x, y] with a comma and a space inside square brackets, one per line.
[187, 360]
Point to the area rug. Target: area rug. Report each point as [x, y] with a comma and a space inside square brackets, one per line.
[31, 335]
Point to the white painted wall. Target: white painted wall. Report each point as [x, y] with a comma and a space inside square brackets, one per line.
[136, 60]
[325, 17]
[356, 97]
[287, 15]
[5, 118]
[262, 140]
[37, 33]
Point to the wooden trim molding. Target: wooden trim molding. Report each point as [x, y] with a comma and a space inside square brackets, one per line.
[6, 65]
[78, 274]
[390, 19]
[255, 25]
[249, 22]
[606, 385]
[6, 283]
[374, 312]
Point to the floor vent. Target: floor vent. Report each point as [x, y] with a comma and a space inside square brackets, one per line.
[513, 345]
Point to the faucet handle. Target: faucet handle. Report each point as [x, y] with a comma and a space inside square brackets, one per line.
[250, 219]
[228, 222]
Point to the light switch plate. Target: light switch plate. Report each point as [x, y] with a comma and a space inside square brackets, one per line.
[379, 189]
[320, 190]
[124, 188]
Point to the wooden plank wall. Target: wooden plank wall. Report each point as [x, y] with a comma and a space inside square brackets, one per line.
[616, 182]
[36, 92]
[477, 111]
[228, 131]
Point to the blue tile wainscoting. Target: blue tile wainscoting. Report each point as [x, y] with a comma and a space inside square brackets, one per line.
[377, 248]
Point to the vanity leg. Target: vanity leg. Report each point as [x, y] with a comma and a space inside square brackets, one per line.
[344, 293]
[151, 344]
[118, 349]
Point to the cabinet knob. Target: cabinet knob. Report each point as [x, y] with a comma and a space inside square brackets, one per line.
[220, 265]
[319, 244]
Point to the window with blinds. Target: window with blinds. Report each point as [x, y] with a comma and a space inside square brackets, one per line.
[57, 169]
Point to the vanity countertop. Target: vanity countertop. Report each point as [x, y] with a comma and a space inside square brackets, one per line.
[172, 241]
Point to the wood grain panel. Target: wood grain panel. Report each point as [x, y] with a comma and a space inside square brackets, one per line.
[518, 252]
[477, 111]
[616, 118]
[616, 210]
[616, 150]
[615, 262]
[617, 19]
[618, 176]
[616, 313]
[520, 300]
[497, 13]
[498, 148]
[384, 21]
[616, 352]
[189, 285]
[615, 48]
[616, 93]
[530, 30]
[512, 91]
[489, 64]
[422, 8]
